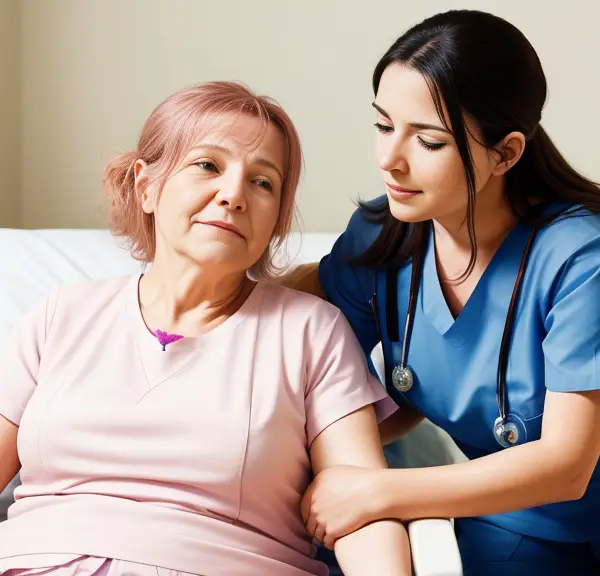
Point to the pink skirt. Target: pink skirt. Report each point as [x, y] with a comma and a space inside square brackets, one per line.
[73, 565]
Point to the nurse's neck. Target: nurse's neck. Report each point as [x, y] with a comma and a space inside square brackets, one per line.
[493, 222]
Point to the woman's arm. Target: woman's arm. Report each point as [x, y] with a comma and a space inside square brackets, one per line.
[305, 278]
[382, 547]
[556, 468]
[19, 365]
[9, 461]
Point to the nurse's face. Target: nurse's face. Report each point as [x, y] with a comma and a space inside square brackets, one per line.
[418, 158]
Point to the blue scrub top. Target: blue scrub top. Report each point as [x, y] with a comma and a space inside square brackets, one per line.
[555, 344]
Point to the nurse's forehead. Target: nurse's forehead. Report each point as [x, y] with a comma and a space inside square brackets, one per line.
[404, 96]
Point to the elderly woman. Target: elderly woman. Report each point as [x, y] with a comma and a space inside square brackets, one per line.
[172, 421]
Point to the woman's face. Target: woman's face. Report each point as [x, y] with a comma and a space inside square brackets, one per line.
[418, 158]
[220, 207]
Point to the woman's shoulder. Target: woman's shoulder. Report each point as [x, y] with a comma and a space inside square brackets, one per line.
[298, 307]
[88, 297]
[286, 298]
[96, 287]
[296, 317]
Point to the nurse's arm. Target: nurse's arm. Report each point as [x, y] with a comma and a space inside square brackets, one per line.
[9, 461]
[304, 278]
[555, 468]
[399, 424]
[382, 547]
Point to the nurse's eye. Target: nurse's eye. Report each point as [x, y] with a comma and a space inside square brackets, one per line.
[206, 165]
[430, 145]
[383, 128]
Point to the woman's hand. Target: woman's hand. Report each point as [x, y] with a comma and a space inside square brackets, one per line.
[341, 500]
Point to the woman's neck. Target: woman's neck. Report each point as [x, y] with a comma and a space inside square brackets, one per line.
[188, 299]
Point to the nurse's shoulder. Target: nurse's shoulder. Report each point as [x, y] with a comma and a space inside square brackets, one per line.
[565, 280]
[350, 286]
[362, 230]
[571, 238]
[564, 272]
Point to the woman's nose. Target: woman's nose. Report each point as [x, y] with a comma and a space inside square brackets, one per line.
[232, 196]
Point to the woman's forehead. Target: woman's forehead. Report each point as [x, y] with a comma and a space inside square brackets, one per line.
[244, 134]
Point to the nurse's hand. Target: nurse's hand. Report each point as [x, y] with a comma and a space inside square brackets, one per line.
[341, 500]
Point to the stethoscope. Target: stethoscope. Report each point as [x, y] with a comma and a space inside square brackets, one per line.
[506, 429]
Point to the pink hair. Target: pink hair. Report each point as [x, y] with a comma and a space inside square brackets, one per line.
[170, 132]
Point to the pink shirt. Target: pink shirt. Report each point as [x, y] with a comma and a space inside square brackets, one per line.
[193, 459]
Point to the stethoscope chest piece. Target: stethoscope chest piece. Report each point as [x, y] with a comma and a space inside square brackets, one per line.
[506, 432]
[402, 378]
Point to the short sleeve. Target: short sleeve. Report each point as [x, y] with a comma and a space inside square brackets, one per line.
[338, 380]
[350, 287]
[20, 359]
[572, 342]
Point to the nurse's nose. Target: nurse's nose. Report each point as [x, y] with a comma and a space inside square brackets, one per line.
[392, 158]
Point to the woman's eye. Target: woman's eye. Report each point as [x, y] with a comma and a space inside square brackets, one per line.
[430, 145]
[383, 128]
[264, 184]
[206, 165]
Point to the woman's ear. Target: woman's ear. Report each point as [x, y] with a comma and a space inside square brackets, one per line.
[146, 193]
[511, 149]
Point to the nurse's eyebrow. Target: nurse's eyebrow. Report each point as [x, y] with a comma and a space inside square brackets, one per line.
[417, 125]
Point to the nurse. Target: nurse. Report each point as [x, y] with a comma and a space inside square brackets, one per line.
[479, 271]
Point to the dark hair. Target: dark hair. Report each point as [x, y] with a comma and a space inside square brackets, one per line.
[479, 64]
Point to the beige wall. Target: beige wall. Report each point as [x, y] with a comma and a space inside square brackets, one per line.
[92, 70]
[9, 114]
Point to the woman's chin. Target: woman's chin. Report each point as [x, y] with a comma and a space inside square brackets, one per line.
[217, 256]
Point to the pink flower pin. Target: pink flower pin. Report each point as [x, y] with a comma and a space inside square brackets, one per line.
[165, 338]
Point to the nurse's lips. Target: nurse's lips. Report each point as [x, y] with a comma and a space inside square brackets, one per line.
[400, 193]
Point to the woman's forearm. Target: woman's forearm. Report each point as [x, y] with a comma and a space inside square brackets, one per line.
[521, 477]
[380, 548]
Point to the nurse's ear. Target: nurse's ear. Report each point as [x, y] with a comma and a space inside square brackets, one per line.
[510, 149]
